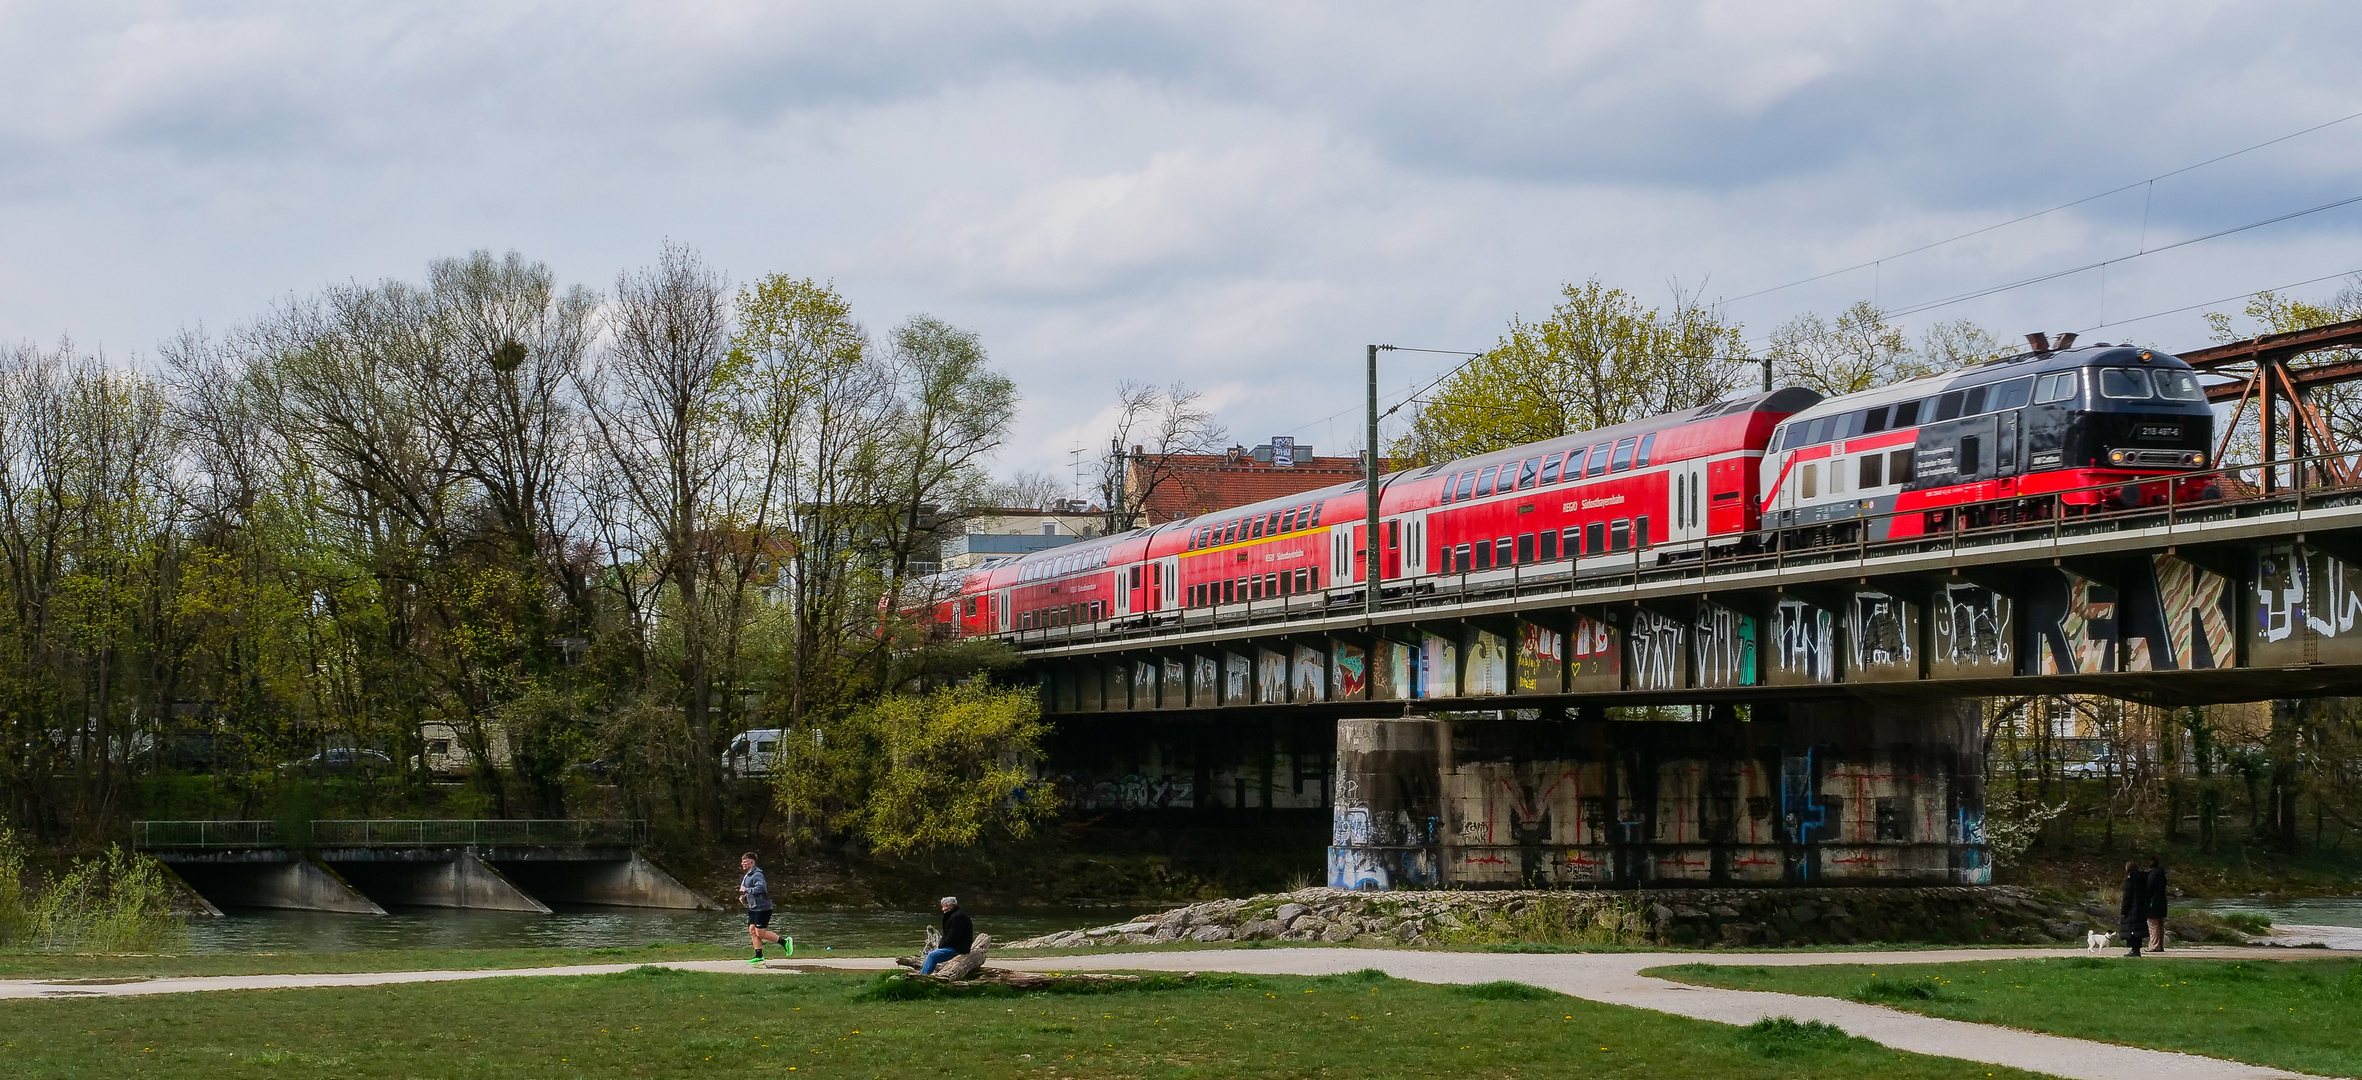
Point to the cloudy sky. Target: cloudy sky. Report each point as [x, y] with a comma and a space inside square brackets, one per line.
[1237, 195]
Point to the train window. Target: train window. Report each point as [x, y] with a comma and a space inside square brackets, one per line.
[1443, 558]
[1304, 579]
[1598, 460]
[1484, 481]
[1574, 464]
[1505, 551]
[1623, 459]
[1874, 421]
[1135, 577]
[1594, 538]
[1271, 584]
[1316, 508]
[2178, 386]
[2014, 393]
[1872, 465]
[1570, 541]
[1969, 446]
[1549, 545]
[1680, 497]
[1527, 472]
[1836, 475]
[1255, 529]
[1287, 521]
[1525, 548]
[1550, 468]
[1229, 591]
[1619, 534]
[1466, 488]
[1646, 442]
[1484, 555]
[1809, 484]
[2058, 386]
[1906, 414]
[1974, 403]
[1641, 537]
[2125, 384]
[1948, 406]
[1457, 562]
[1393, 534]
[1898, 466]
[1271, 524]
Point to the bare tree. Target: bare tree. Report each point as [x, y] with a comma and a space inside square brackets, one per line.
[659, 400]
[1857, 352]
[1155, 426]
[1026, 490]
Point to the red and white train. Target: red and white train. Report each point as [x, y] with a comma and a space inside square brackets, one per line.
[1986, 445]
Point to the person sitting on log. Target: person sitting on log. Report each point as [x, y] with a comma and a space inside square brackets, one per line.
[958, 934]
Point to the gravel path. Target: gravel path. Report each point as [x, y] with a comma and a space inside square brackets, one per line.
[1613, 978]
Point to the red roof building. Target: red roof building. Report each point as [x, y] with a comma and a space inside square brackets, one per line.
[1185, 485]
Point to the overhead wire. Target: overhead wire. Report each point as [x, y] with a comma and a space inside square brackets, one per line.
[1875, 263]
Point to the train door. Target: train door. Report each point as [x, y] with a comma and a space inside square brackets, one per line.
[1168, 578]
[1414, 544]
[1343, 567]
[1686, 501]
[1390, 563]
[1127, 585]
[1000, 611]
[1726, 496]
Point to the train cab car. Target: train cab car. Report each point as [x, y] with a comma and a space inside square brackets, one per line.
[2014, 439]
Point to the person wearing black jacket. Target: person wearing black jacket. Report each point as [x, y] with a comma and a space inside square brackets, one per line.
[2155, 911]
[958, 934]
[2132, 911]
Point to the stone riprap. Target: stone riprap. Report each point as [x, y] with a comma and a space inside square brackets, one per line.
[1687, 917]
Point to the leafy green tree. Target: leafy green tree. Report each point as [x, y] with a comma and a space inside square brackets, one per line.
[1600, 358]
[1858, 351]
[916, 773]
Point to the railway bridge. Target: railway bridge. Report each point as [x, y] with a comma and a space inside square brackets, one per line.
[1469, 730]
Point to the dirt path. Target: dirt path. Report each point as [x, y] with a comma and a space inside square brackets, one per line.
[1612, 978]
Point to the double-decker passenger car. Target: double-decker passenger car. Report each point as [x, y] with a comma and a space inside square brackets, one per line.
[1990, 444]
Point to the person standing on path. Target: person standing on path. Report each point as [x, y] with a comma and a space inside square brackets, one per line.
[2156, 904]
[959, 932]
[2132, 911]
[755, 890]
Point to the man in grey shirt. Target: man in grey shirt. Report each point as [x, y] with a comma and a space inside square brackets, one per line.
[755, 890]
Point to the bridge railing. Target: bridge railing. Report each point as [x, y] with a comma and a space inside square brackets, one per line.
[2282, 486]
[392, 833]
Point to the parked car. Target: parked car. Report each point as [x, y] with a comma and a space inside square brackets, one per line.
[752, 753]
[341, 761]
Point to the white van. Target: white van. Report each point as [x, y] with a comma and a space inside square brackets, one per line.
[752, 753]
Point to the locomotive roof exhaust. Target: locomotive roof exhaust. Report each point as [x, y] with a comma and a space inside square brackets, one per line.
[2038, 341]
[2065, 342]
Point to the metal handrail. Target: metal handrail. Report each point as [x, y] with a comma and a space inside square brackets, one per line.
[377, 832]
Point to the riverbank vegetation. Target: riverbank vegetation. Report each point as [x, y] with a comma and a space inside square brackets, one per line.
[661, 1023]
[2289, 1014]
[113, 902]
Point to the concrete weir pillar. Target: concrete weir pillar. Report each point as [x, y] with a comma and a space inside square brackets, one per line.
[463, 881]
[287, 883]
[631, 881]
[1852, 792]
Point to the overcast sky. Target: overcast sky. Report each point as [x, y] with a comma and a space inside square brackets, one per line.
[1236, 195]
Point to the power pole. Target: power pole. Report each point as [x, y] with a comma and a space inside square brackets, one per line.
[1370, 491]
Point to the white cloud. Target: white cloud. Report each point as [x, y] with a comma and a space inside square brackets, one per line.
[1238, 195]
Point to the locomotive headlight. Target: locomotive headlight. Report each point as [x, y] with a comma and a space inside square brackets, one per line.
[2116, 456]
[2195, 459]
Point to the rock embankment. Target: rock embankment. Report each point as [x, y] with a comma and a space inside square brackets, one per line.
[1685, 917]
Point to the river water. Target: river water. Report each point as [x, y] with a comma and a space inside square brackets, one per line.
[2306, 911]
[254, 930]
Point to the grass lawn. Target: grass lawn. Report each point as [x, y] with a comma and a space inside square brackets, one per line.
[2292, 1014]
[661, 1023]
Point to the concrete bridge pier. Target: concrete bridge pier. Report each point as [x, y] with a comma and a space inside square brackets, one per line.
[1845, 792]
[438, 879]
[274, 879]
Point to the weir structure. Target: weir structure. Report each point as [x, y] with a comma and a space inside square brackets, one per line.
[361, 866]
[1836, 739]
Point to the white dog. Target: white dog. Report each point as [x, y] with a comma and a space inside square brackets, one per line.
[2095, 940]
